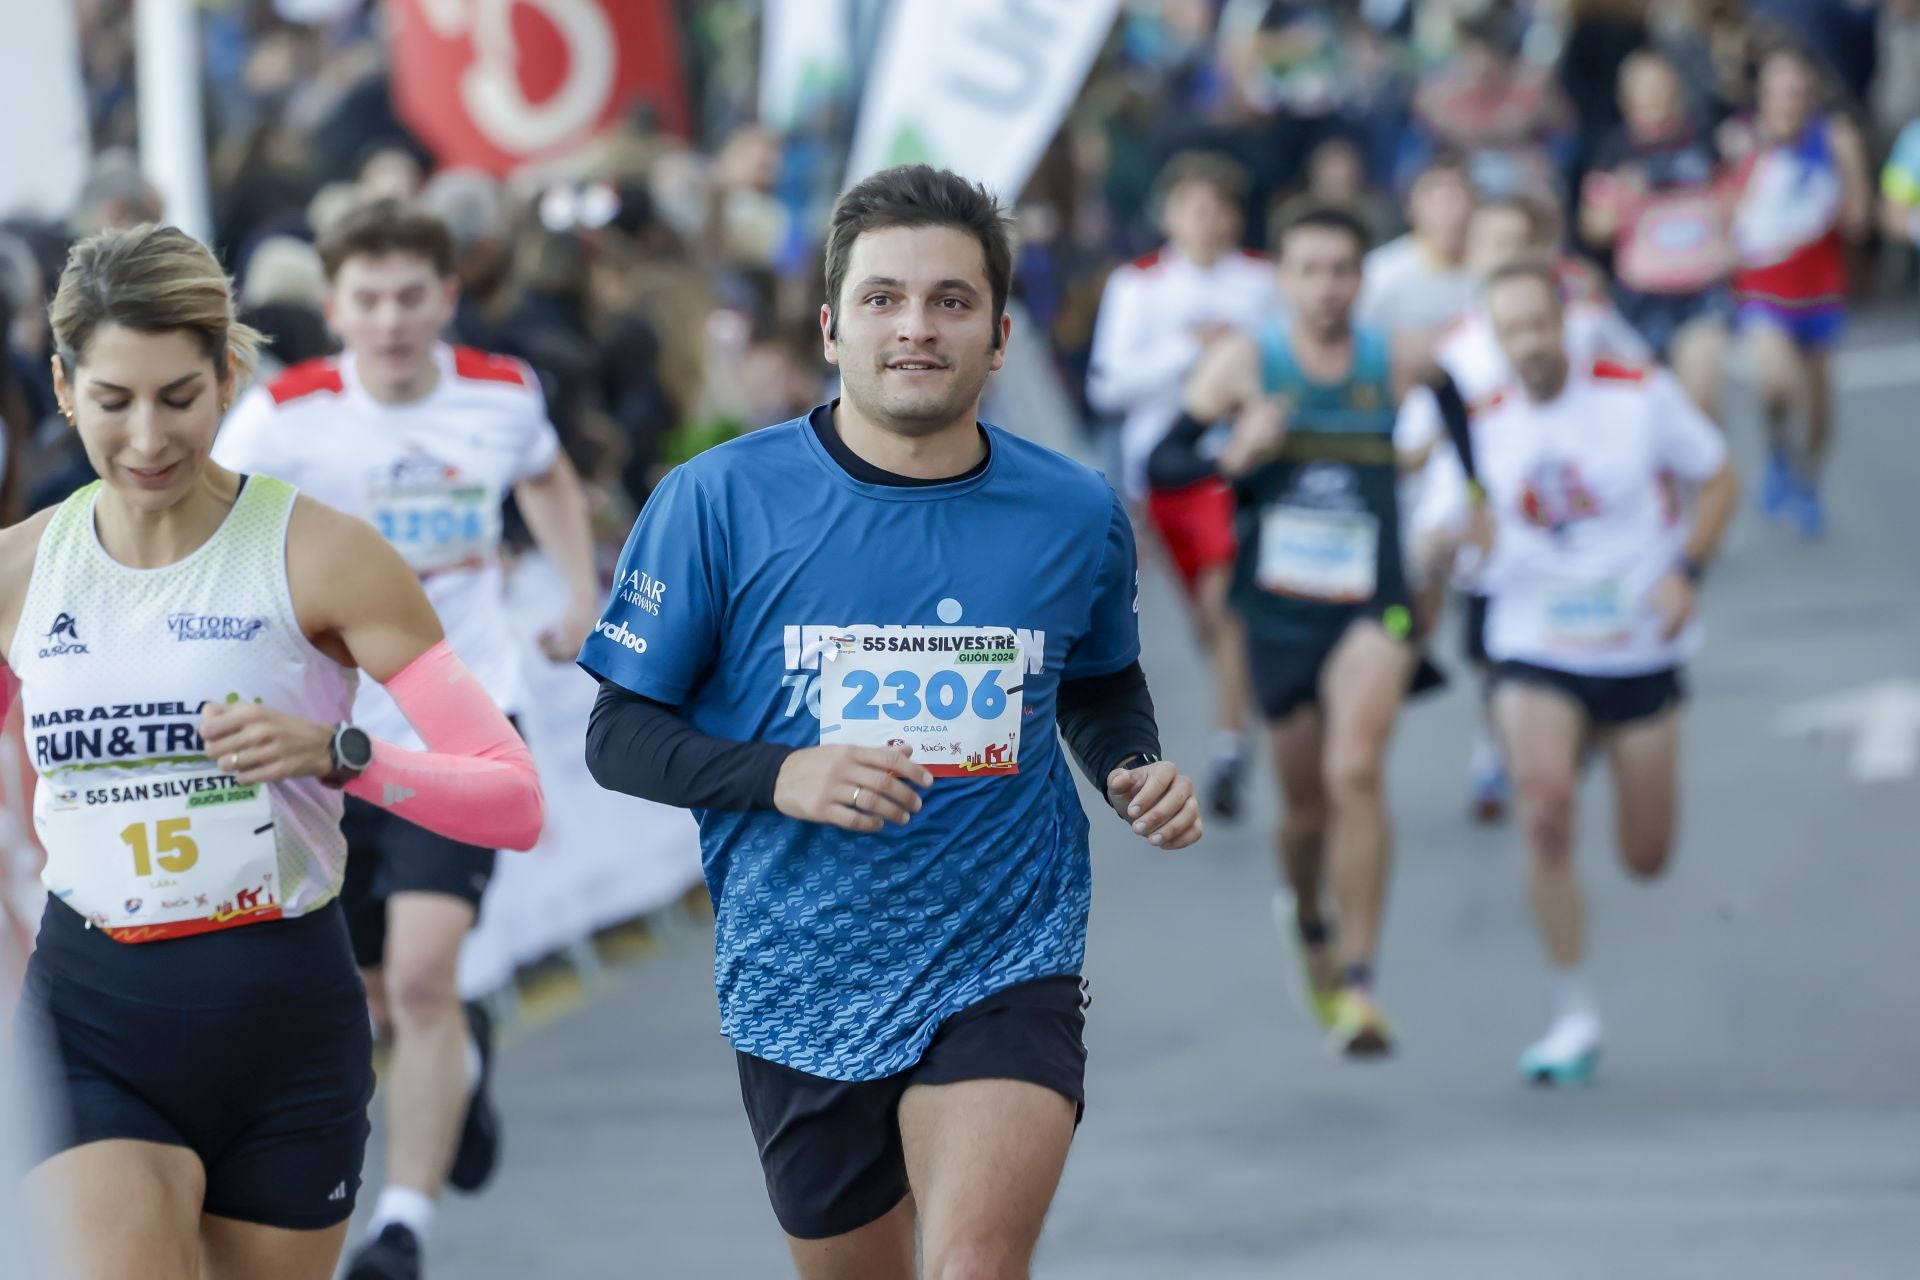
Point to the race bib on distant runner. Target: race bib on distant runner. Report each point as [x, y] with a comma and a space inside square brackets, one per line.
[1319, 555]
[1678, 245]
[1592, 616]
[154, 856]
[437, 526]
[953, 694]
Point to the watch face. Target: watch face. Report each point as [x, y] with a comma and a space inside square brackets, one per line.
[355, 748]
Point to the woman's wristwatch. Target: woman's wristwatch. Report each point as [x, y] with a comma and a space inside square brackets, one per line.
[351, 752]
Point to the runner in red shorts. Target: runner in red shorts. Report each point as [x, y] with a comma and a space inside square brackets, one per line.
[1157, 315]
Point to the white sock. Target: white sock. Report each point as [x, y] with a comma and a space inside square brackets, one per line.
[1571, 995]
[1486, 756]
[411, 1209]
[1228, 746]
[474, 1064]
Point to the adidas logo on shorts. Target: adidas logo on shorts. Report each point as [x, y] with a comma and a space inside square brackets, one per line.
[339, 1192]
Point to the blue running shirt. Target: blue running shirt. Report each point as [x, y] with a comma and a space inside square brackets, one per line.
[840, 953]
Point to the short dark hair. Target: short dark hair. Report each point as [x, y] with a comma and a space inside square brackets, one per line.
[384, 226]
[919, 195]
[1215, 169]
[1319, 215]
[1446, 160]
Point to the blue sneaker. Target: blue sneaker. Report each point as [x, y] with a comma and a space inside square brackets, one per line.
[1809, 512]
[1777, 487]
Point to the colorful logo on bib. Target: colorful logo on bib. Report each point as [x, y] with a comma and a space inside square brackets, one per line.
[133, 906]
[210, 626]
[63, 637]
[618, 633]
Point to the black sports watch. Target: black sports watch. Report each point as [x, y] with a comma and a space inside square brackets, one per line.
[351, 751]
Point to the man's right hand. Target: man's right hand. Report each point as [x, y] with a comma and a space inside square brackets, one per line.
[853, 788]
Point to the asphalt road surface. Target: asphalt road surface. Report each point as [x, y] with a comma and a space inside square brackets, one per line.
[1758, 1114]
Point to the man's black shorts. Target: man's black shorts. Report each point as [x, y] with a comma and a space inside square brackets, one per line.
[249, 1047]
[831, 1148]
[1286, 674]
[1607, 700]
[388, 855]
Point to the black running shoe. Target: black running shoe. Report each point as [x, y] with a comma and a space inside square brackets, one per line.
[1223, 791]
[394, 1254]
[478, 1154]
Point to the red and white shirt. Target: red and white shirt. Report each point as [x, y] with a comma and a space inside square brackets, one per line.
[1583, 524]
[1147, 340]
[431, 475]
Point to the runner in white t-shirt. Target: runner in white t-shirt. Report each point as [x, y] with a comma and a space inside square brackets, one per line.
[1500, 231]
[1417, 285]
[1592, 611]
[424, 441]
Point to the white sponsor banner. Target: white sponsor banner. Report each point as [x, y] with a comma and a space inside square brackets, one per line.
[805, 58]
[40, 83]
[977, 87]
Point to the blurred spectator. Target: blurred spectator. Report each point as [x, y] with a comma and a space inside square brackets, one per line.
[1418, 283]
[284, 294]
[1654, 203]
[474, 208]
[1602, 34]
[116, 194]
[1503, 114]
[390, 169]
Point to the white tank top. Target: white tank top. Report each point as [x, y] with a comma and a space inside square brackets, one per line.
[145, 837]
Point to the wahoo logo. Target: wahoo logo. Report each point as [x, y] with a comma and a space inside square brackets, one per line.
[64, 635]
[618, 633]
[395, 794]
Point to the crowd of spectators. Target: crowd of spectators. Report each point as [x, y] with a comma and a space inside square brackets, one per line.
[666, 288]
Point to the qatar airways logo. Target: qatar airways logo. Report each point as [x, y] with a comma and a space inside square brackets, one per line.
[643, 591]
[618, 633]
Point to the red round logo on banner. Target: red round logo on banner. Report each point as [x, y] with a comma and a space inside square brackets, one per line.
[494, 84]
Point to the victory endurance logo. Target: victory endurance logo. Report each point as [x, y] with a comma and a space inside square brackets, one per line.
[207, 626]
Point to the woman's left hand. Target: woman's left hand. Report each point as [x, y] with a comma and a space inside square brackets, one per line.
[258, 744]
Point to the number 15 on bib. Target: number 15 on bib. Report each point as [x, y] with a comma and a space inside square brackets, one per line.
[953, 694]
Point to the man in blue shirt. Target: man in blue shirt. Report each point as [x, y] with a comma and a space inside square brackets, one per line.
[846, 642]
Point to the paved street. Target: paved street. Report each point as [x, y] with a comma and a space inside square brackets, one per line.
[1758, 1115]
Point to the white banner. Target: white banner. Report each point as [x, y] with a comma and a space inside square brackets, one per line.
[977, 87]
[603, 858]
[805, 58]
[48, 151]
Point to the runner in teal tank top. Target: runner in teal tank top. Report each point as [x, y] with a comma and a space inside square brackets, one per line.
[1320, 585]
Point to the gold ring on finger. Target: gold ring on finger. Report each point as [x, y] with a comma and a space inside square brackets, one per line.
[856, 796]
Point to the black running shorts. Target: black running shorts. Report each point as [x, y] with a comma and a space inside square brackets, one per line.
[831, 1149]
[388, 855]
[249, 1047]
[1607, 700]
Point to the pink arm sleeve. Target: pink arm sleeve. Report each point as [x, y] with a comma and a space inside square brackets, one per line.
[475, 782]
